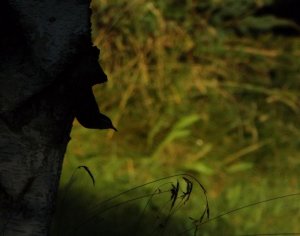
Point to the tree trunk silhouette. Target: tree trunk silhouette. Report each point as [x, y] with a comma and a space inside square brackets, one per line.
[46, 59]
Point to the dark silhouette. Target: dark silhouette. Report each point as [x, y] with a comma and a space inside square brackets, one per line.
[47, 69]
[286, 9]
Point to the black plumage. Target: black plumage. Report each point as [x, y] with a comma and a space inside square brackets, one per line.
[87, 111]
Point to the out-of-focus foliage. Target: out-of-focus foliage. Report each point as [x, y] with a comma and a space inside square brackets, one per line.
[210, 87]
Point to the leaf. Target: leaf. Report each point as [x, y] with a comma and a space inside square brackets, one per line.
[201, 168]
[241, 166]
[89, 172]
[186, 121]
[244, 151]
[264, 23]
[179, 131]
[155, 130]
[205, 149]
[176, 134]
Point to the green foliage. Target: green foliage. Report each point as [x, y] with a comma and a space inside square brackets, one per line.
[178, 131]
[206, 87]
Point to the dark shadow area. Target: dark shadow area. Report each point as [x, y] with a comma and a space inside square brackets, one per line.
[286, 9]
[75, 217]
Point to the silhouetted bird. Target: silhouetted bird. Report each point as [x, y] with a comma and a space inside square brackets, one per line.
[87, 111]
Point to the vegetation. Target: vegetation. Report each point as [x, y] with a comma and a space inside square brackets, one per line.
[209, 88]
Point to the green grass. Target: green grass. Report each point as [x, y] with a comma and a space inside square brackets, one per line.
[200, 87]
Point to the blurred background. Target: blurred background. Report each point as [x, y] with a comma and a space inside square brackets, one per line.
[204, 87]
